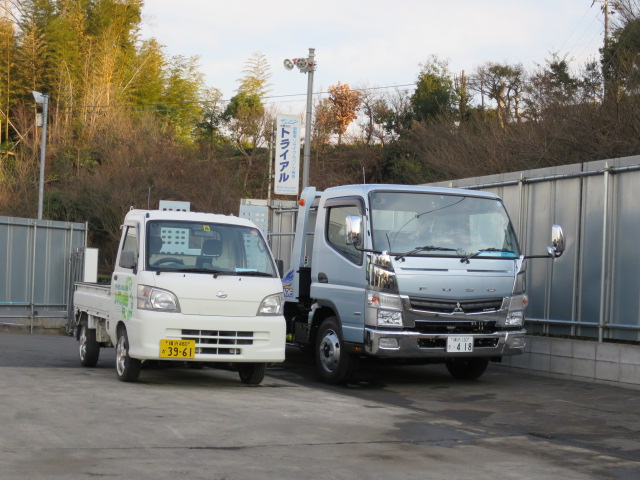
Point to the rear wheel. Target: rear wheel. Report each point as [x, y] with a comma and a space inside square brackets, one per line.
[88, 348]
[334, 363]
[127, 368]
[466, 368]
[252, 373]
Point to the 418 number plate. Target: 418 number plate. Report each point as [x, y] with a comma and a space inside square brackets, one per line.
[177, 348]
[459, 344]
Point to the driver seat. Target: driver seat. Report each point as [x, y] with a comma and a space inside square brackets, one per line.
[211, 248]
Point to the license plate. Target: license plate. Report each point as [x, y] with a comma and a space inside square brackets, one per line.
[177, 348]
[459, 344]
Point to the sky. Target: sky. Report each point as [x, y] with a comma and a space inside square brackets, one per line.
[368, 43]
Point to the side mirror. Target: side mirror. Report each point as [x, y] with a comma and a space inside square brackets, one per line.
[128, 259]
[353, 234]
[556, 248]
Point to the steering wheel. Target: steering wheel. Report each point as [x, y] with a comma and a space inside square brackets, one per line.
[164, 260]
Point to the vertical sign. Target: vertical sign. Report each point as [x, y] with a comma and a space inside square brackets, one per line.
[287, 168]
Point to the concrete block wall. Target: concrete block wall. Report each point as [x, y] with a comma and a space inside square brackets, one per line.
[610, 363]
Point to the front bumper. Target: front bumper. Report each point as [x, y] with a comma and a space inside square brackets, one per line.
[218, 338]
[412, 344]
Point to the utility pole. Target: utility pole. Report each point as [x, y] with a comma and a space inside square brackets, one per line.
[605, 43]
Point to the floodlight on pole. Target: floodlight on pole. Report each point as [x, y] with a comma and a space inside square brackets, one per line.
[42, 99]
[305, 65]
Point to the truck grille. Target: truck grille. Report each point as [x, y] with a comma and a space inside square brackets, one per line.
[460, 306]
[218, 342]
[455, 328]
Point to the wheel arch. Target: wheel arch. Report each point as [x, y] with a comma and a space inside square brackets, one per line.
[322, 312]
[80, 317]
[119, 327]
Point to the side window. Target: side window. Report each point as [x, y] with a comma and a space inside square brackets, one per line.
[336, 229]
[131, 242]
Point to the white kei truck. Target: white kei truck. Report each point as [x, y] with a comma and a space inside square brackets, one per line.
[406, 273]
[191, 287]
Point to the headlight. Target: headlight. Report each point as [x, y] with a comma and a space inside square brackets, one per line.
[515, 314]
[272, 305]
[151, 298]
[387, 308]
[381, 300]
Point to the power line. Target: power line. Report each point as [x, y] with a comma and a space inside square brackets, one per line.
[137, 106]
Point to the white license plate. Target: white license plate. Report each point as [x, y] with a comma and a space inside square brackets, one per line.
[459, 344]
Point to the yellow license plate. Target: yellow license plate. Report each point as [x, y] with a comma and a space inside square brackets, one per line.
[177, 348]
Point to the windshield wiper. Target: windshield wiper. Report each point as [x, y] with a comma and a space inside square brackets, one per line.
[425, 248]
[466, 258]
[252, 273]
[201, 270]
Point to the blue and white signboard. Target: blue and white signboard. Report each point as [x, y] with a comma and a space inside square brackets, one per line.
[287, 168]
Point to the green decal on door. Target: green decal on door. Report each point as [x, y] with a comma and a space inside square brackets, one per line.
[124, 298]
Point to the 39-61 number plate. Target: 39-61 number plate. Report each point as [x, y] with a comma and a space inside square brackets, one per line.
[177, 348]
[459, 344]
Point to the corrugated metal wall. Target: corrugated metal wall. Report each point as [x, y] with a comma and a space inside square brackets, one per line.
[35, 270]
[593, 290]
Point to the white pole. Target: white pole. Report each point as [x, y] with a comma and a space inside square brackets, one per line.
[43, 150]
[307, 135]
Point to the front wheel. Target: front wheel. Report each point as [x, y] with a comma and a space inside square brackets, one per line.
[252, 373]
[127, 368]
[466, 368]
[334, 363]
[88, 348]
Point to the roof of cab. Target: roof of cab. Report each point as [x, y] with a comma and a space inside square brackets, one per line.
[365, 189]
[147, 215]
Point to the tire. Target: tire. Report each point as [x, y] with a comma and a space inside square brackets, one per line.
[252, 373]
[335, 365]
[466, 368]
[88, 347]
[127, 368]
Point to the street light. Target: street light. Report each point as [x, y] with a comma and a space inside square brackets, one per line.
[305, 65]
[44, 101]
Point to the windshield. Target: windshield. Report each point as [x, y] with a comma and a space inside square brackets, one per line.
[207, 248]
[441, 225]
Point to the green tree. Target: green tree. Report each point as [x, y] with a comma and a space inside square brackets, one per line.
[209, 129]
[146, 82]
[434, 94]
[621, 60]
[182, 96]
[7, 53]
[257, 73]
[551, 87]
[247, 122]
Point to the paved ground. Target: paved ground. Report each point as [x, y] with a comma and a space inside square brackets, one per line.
[59, 420]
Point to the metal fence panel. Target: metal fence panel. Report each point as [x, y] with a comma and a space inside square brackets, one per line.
[35, 269]
[624, 306]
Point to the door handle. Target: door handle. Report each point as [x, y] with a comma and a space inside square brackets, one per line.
[322, 277]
